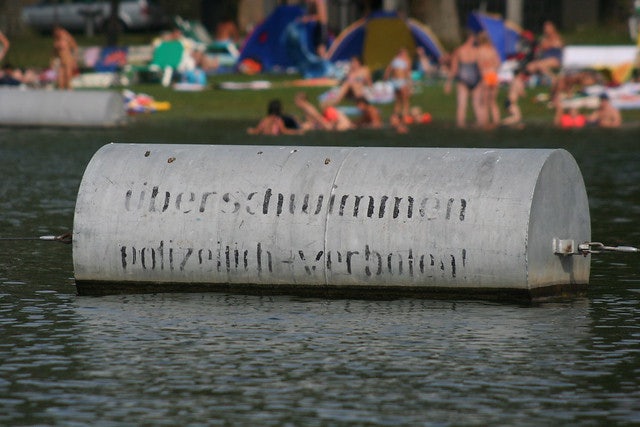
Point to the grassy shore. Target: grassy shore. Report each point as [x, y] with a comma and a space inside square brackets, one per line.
[32, 49]
[248, 105]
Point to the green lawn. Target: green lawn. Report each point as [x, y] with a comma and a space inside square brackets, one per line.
[250, 105]
[34, 50]
[613, 34]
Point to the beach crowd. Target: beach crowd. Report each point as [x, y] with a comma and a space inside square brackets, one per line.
[471, 73]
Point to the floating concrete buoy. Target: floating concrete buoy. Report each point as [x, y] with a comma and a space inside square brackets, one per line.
[330, 220]
[90, 108]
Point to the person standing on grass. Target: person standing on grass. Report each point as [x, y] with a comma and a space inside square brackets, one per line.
[489, 64]
[4, 41]
[398, 73]
[465, 70]
[317, 12]
[65, 49]
[517, 89]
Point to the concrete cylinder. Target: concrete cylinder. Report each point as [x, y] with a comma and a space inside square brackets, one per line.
[90, 108]
[330, 220]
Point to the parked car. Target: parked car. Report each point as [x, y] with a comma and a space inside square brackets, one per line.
[78, 15]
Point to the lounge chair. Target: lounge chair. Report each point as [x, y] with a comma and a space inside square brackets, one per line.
[167, 57]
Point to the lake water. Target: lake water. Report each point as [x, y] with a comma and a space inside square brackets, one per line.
[222, 359]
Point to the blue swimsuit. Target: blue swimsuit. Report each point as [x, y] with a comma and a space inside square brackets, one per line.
[468, 74]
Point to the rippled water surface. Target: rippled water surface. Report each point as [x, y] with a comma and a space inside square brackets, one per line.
[219, 359]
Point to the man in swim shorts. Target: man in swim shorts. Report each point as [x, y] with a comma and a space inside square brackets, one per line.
[607, 115]
[489, 63]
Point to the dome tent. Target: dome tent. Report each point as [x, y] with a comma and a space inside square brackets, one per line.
[378, 37]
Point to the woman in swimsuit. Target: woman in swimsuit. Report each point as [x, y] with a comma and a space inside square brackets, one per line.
[464, 68]
[550, 51]
[358, 78]
[398, 72]
[65, 49]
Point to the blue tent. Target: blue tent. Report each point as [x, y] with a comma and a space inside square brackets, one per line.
[504, 35]
[282, 42]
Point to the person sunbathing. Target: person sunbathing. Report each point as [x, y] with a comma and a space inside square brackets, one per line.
[369, 115]
[607, 115]
[357, 80]
[330, 119]
[549, 54]
[273, 123]
[568, 119]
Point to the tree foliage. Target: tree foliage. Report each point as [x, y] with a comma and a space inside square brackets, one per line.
[441, 16]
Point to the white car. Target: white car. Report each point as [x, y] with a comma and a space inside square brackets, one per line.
[78, 15]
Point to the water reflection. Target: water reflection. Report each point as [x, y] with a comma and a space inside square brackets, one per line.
[329, 361]
[229, 359]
